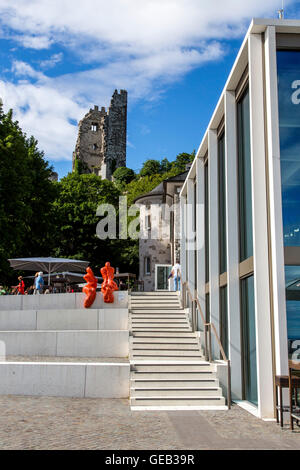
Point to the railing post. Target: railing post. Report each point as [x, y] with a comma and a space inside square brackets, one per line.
[205, 342]
[228, 384]
[209, 342]
[184, 295]
[193, 314]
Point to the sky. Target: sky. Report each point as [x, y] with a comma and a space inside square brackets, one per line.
[58, 58]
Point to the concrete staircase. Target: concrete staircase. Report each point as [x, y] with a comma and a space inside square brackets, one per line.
[168, 370]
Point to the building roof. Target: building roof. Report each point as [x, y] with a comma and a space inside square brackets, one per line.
[160, 190]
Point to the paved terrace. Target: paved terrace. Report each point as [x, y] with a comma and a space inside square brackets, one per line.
[72, 423]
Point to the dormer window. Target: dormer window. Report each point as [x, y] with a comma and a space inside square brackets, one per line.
[94, 127]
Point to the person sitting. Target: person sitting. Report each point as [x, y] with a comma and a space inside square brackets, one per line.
[2, 291]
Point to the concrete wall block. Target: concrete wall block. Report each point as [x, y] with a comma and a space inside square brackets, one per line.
[41, 379]
[17, 320]
[121, 300]
[107, 381]
[93, 343]
[11, 302]
[113, 319]
[83, 319]
[29, 343]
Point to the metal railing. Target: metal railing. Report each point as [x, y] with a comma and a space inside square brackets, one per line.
[208, 329]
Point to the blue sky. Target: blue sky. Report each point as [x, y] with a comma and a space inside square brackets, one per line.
[60, 57]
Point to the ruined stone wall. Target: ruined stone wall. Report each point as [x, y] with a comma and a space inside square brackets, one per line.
[101, 142]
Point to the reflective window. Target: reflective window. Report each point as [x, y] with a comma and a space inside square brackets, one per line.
[244, 167]
[222, 204]
[224, 319]
[249, 339]
[206, 215]
[289, 126]
[288, 63]
[292, 277]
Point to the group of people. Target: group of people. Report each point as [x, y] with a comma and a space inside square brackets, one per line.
[36, 288]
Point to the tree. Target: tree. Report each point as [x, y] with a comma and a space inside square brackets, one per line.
[182, 160]
[26, 195]
[75, 216]
[123, 176]
[165, 165]
[150, 167]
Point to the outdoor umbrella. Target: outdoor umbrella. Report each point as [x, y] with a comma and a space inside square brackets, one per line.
[49, 265]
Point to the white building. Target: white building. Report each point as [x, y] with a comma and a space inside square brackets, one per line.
[241, 199]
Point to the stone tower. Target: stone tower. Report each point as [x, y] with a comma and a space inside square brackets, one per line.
[101, 142]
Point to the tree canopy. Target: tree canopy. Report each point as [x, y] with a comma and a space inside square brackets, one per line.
[26, 194]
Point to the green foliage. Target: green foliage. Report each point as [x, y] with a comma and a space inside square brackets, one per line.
[182, 160]
[150, 167]
[26, 195]
[76, 221]
[123, 176]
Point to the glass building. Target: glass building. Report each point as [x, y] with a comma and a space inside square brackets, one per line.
[246, 179]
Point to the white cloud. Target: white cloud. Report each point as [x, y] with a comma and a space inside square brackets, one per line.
[139, 45]
[52, 61]
[33, 42]
[21, 68]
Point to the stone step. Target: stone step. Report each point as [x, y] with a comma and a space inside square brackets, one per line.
[155, 311]
[187, 392]
[93, 343]
[145, 384]
[164, 334]
[162, 358]
[173, 367]
[167, 321]
[178, 401]
[158, 328]
[164, 346]
[154, 303]
[161, 316]
[154, 294]
[162, 340]
[165, 376]
[165, 352]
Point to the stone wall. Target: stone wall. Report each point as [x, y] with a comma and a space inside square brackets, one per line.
[101, 142]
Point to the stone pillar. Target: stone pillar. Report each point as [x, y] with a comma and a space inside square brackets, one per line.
[214, 297]
[232, 239]
[275, 201]
[260, 229]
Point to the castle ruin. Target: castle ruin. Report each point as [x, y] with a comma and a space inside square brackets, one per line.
[101, 142]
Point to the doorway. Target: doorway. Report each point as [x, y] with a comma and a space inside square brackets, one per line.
[162, 272]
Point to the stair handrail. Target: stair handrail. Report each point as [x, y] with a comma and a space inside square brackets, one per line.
[208, 328]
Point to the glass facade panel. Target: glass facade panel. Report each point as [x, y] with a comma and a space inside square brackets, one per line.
[288, 63]
[249, 339]
[244, 166]
[292, 278]
[206, 215]
[224, 319]
[222, 204]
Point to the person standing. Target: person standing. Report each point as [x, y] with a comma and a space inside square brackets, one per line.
[176, 275]
[39, 283]
[34, 283]
[20, 286]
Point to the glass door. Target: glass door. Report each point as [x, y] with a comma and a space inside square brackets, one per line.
[162, 281]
